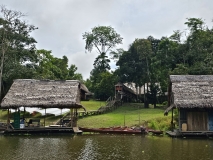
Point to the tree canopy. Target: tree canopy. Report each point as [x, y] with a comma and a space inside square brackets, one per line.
[102, 38]
[146, 61]
[19, 58]
[17, 47]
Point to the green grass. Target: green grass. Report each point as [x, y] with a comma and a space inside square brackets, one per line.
[93, 105]
[3, 116]
[127, 115]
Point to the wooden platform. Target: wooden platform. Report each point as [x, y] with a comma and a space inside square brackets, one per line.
[41, 131]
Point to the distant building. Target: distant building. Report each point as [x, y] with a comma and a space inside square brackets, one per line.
[124, 93]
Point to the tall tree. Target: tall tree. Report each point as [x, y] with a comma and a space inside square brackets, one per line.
[104, 88]
[73, 75]
[102, 38]
[50, 67]
[15, 40]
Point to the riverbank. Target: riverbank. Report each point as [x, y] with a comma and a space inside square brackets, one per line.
[129, 114]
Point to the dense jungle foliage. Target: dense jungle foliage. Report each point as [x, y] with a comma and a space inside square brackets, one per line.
[147, 60]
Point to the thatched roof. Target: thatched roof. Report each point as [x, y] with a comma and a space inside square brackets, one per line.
[192, 91]
[43, 94]
[84, 88]
[126, 87]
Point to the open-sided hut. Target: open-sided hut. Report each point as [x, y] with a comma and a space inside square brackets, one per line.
[192, 95]
[45, 94]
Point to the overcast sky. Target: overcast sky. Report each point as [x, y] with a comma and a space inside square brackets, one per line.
[62, 23]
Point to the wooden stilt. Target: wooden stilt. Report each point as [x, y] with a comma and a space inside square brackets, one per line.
[45, 118]
[71, 114]
[172, 121]
[8, 119]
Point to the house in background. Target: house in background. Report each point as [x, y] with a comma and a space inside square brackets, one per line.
[124, 92]
[192, 95]
[44, 94]
[85, 93]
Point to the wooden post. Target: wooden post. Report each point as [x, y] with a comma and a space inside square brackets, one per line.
[71, 113]
[24, 116]
[179, 122]
[8, 119]
[144, 96]
[147, 91]
[76, 117]
[124, 119]
[61, 118]
[172, 121]
[139, 117]
[44, 117]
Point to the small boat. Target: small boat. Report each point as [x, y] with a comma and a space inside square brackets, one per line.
[116, 130]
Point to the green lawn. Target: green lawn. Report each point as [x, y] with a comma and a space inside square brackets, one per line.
[128, 115]
[3, 116]
[93, 105]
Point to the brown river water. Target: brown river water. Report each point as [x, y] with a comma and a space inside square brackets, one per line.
[104, 147]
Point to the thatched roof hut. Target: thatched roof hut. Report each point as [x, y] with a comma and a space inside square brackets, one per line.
[125, 88]
[124, 93]
[43, 94]
[192, 95]
[190, 91]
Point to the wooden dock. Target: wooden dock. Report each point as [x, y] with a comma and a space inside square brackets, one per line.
[42, 131]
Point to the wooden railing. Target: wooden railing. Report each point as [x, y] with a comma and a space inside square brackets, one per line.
[111, 104]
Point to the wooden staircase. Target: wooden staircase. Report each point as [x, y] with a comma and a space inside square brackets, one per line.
[111, 104]
[64, 121]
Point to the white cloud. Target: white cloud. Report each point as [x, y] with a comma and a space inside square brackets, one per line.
[84, 62]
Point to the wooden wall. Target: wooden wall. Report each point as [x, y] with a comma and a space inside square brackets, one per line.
[210, 114]
[197, 121]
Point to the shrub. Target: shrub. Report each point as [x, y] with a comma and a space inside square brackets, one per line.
[162, 124]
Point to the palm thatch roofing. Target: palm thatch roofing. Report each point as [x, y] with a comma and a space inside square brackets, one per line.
[43, 94]
[126, 88]
[191, 91]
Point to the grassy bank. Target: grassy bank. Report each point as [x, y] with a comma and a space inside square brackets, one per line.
[93, 105]
[128, 115]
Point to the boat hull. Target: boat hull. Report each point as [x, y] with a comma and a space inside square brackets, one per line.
[114, 130]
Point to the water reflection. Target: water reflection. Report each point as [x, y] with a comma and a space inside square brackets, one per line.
[104, 147]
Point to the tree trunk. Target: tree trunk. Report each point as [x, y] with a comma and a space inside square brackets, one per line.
[1, 72]
[146, 105]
